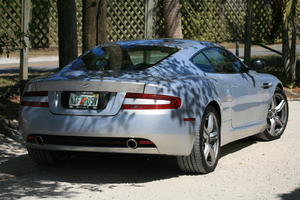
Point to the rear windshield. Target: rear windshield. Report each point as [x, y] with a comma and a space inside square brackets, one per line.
[118, 58]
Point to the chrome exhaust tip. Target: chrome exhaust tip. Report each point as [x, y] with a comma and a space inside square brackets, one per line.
[131, 143]
[39, 140]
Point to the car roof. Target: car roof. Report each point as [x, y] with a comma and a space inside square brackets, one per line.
[167, 42]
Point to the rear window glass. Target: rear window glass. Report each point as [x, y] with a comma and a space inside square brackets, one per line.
[116, 58]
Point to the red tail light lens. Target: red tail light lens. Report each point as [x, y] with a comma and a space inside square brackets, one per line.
[35, 103]
[36, 94]
[145, 142]
[174, 102]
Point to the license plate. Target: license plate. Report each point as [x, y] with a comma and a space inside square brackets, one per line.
[83, 100]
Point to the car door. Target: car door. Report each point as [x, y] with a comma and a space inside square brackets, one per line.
[264, 87]
[242, 89]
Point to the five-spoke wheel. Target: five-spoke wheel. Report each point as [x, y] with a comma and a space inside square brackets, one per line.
[206, 150]
[211, 142]
[277, 116]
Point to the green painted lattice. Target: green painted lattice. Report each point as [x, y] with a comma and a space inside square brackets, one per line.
[212, 20]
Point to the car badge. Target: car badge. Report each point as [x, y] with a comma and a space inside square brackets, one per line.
[84, 85]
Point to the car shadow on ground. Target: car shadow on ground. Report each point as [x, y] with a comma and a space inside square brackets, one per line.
[294, 195]
[238, 145]
[91, 171]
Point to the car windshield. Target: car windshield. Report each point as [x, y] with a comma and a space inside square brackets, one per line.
[118, 58]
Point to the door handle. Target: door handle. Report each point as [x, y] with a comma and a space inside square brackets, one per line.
[266, 85]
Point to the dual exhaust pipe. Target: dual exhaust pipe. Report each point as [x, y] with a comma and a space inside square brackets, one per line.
[130, 143]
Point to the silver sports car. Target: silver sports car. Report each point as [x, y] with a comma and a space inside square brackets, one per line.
[174, 97]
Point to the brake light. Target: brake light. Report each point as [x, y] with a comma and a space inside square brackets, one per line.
[172, 102]
[35, 103]
[36, 94]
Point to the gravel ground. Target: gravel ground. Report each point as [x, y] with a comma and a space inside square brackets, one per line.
[248, 169]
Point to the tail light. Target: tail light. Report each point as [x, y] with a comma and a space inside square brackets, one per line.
[36, 94]
[137, 101]
[31, 103]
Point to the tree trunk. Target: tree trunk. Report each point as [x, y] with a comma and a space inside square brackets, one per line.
[289, 53]
[172, 17]
[89, 10]
[94, 23]
[67, 31]
[248, 33]
[293, 57]
[286, 48]
[289, 47]
[277, 19]
[101, 35]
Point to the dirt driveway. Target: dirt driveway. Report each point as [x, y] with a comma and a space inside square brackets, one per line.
[248, 169]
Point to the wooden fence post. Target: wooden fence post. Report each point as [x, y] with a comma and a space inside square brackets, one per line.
[149, 18]
[26, 7]
[248, 33]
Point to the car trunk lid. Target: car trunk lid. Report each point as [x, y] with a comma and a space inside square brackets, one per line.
[111, 94]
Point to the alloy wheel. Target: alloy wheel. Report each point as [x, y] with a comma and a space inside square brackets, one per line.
[277, 115]
[211, 139]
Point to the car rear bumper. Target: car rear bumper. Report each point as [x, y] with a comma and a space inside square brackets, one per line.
[94, 149]
[167, 130]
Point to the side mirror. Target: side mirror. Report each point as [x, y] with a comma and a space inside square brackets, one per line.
[257, 64]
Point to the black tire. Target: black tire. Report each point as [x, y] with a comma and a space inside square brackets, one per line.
[265, 135]
[196, 163]
[45, 157]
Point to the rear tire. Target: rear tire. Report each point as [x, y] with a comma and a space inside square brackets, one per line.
[206, 149]
[45, 157]
[277, 117]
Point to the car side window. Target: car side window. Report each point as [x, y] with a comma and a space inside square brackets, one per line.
[202, 63]
[223, 61]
